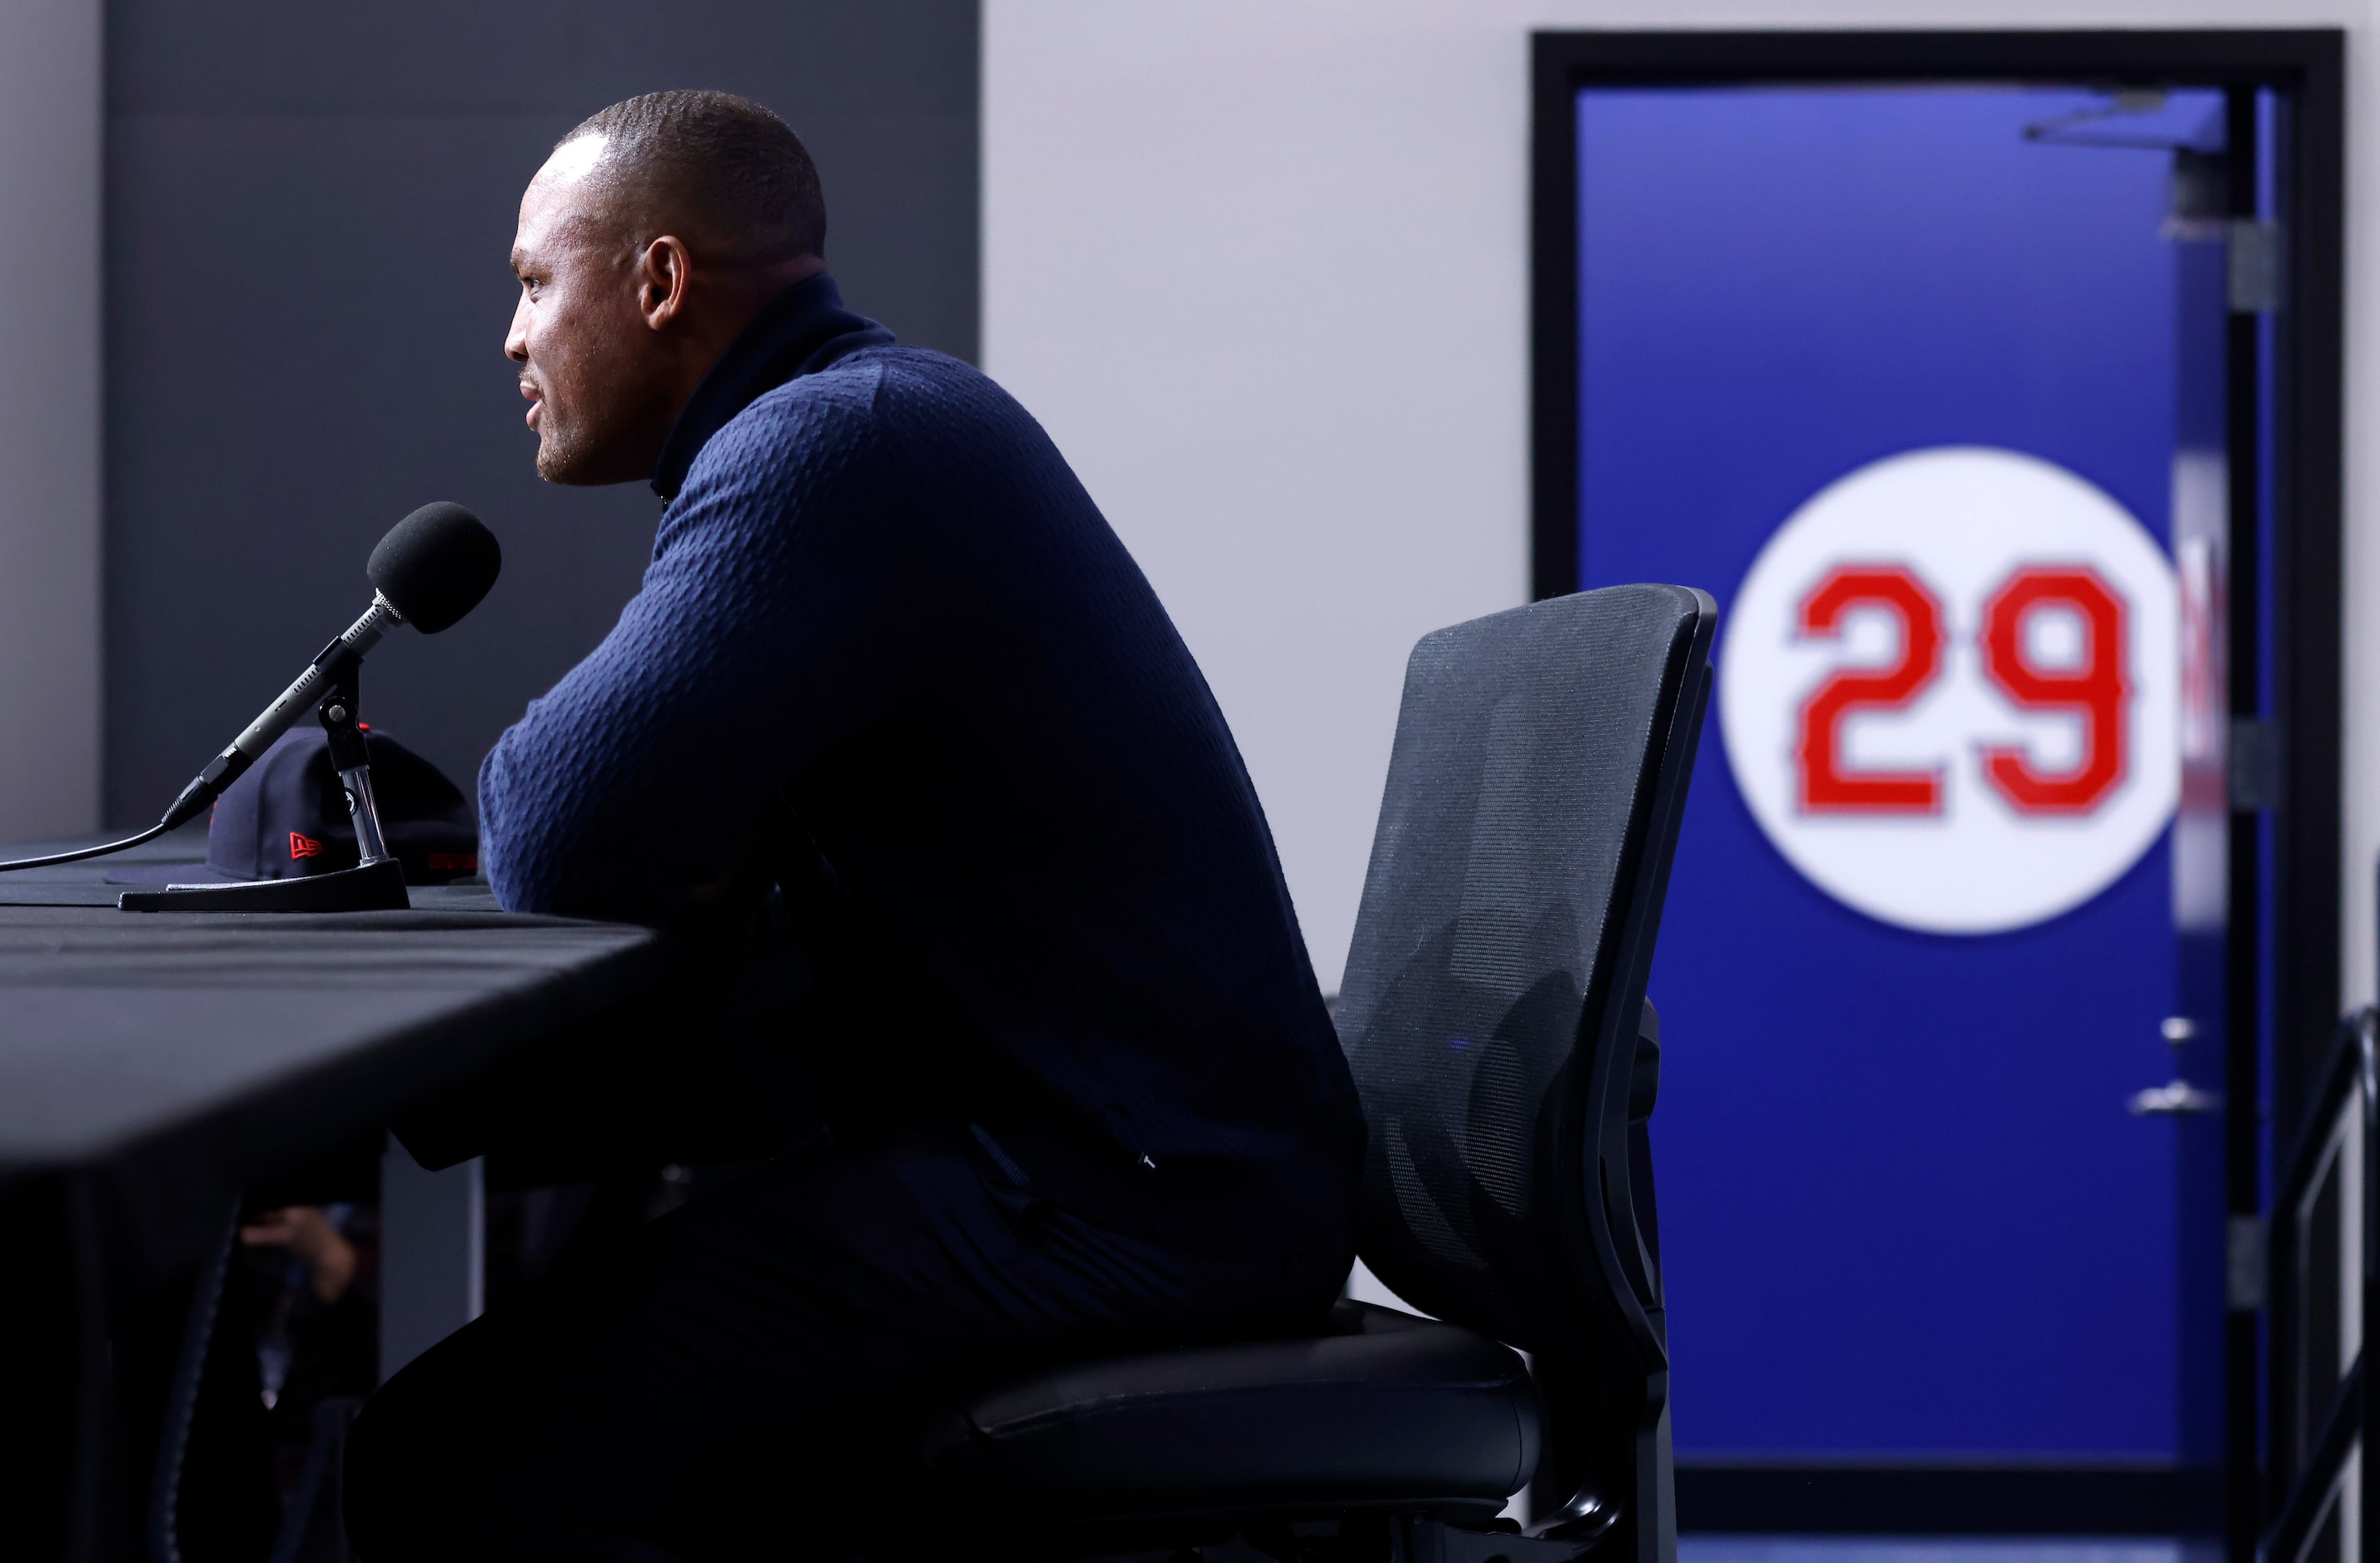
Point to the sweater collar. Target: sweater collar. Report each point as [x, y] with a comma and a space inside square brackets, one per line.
[799, 331]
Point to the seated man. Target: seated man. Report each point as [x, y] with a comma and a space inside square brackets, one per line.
[889, 664]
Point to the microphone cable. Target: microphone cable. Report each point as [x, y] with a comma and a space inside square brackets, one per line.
[77, 855]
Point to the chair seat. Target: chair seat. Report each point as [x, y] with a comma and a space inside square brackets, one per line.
[1382, 1409]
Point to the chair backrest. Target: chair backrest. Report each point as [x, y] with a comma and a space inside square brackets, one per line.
[1492, 997]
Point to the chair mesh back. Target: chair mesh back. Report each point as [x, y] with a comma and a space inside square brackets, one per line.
[1523, 820]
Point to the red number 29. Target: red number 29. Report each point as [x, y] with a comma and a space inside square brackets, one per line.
[2094, 690]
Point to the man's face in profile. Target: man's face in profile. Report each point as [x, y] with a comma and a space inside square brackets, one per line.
[584, 351]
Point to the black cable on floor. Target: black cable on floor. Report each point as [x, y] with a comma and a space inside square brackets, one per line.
[182, 1400]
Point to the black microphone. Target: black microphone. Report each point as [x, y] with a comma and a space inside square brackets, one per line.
[433, 569]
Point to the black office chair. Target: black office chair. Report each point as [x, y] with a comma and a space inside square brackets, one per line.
[1491, 1014]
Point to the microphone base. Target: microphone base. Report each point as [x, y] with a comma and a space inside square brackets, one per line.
[372, 887]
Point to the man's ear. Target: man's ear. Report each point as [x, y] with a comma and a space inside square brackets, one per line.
[662, 280]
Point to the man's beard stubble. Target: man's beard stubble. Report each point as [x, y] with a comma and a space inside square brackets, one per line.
[617, 445]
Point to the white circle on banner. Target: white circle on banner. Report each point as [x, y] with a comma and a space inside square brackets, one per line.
[1949, 690]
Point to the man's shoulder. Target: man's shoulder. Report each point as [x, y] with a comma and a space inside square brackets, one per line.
[871, 385]
[911, 401]
[883, 414]
[824, 417]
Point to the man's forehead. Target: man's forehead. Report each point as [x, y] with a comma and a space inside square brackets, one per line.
[557, 200]
[574, 158]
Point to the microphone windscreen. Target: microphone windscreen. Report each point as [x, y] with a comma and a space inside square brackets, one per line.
[435, 565]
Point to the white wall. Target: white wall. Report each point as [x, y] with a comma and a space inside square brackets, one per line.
[1261, 267]
[50, 171]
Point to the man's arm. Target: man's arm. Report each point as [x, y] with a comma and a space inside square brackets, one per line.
[766, 631]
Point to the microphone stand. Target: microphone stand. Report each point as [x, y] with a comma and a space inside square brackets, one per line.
[376, 884]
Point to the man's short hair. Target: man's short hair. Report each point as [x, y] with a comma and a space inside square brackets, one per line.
[725, 160]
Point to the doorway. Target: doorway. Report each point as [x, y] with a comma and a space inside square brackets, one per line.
[1990, 381]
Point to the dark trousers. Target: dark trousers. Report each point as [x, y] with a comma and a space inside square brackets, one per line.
[732, 1379]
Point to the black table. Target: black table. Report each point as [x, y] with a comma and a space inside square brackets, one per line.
[151, 1065]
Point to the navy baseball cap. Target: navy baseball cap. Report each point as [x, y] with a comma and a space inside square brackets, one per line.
[288, 818]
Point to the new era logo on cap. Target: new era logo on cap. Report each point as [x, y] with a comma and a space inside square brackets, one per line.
[303, 846]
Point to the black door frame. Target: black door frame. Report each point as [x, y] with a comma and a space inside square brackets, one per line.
[2300, 999]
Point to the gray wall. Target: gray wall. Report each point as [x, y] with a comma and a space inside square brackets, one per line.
[308, 210]
[49, 418]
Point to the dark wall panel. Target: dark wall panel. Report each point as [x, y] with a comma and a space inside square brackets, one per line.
[308, 212]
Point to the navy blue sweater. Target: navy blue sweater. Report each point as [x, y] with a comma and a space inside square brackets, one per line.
[881, 607]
